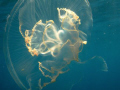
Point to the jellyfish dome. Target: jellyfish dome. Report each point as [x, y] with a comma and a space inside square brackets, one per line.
[42, 38]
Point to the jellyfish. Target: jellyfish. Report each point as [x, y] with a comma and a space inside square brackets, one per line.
[43, 38]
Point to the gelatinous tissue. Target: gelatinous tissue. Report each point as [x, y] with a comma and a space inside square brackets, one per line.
[43, 40]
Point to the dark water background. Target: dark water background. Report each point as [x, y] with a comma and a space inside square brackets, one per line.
[104, 41]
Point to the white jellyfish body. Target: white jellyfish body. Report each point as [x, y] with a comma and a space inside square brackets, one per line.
[43, 37]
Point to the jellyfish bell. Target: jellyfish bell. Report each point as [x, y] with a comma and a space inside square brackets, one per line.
[42, 38]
